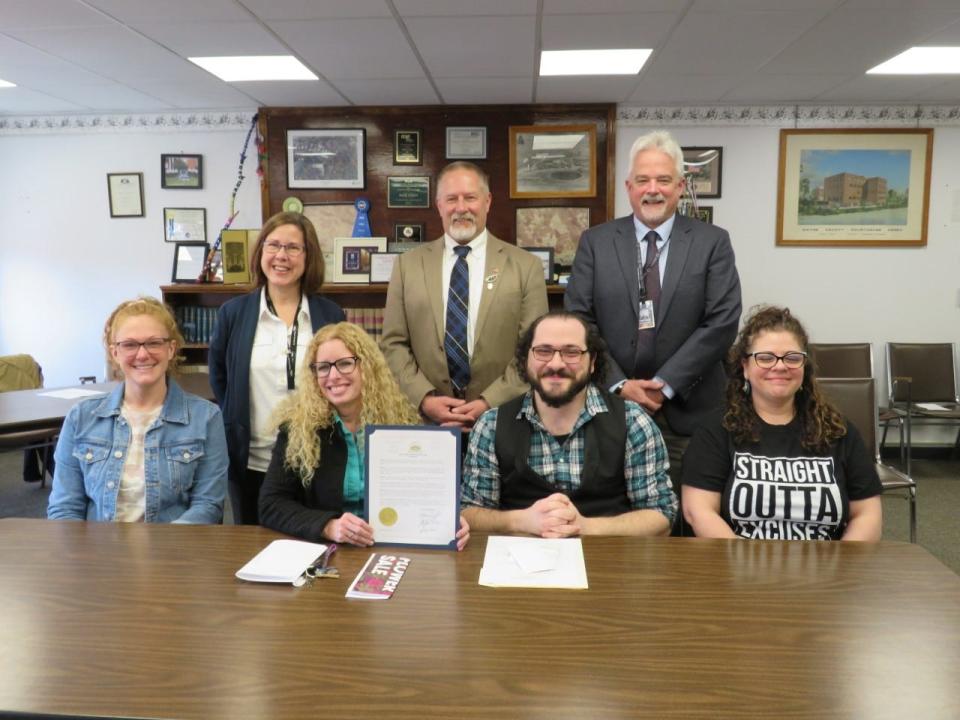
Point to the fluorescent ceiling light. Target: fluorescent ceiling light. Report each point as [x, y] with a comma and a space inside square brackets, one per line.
[593, 62]
[4, 83]
[255, 67]
[921, 61]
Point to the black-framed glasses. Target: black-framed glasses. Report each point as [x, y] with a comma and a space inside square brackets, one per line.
[131, 347]
[766, 360]
[272, 247]
[570, 354]
[344, 366]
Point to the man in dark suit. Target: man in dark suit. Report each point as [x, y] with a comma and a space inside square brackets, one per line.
[664, 292]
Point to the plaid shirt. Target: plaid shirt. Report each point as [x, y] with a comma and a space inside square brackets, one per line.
[644, 460]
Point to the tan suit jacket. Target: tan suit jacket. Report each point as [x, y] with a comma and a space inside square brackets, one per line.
[413, 322]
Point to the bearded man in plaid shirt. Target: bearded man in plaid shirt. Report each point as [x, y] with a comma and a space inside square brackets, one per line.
[567, 458]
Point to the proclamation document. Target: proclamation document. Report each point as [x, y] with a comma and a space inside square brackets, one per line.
[413, 484]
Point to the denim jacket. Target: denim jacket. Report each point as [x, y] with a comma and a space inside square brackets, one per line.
[185, 460]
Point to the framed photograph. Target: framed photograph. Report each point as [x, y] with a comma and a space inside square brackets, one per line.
[235, 248]
[546, 257]
[553, 161]
[559, 228]
[867, 187]
[125, 191]
[703, 166]
[351, 258]
[332, 220]
[408, 192]
[381, 266]
[407, 147]
[466, 143]
[408, 232]
[704, 214]
[181, 172]
[185, 224]
[188, 259]
[331, 159]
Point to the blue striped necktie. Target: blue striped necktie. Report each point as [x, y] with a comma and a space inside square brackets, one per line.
[458, 314]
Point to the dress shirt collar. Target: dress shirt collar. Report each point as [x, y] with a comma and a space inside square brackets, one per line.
[477, 245]
[663, 230]
[265, 313]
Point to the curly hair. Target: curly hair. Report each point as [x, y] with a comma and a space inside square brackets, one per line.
[596, 347]
[307, 410]
[821, 424]
[152, 307]
[313, 269]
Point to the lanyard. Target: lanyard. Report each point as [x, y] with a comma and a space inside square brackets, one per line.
[292, 339]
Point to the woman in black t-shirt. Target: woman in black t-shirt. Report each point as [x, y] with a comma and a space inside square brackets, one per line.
[778, 462]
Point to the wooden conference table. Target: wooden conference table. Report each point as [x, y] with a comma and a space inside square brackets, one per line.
[22, 410]
[149, 621]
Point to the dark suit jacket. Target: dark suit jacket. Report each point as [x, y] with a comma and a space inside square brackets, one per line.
[230, 347]
[697, 317]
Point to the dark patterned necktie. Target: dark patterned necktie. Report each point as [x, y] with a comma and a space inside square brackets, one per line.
[458, 314]
[646, 365]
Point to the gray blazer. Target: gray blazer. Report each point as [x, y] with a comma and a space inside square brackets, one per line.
[697, 317]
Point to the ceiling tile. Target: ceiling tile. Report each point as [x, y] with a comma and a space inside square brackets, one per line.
[582, 32]
[354, 49]
[880, 88]
[200, 95]
[579, 7]
[437, 8]
[18, 14]
[485, 90]
[292, 93]
[392, 91]
[203, 39]
[112, 97]
[725, 6]
[759, 89]
[183, 11]
[485, 46]
[270, 10]
[585, 89]
[671, 89]
[21, 101]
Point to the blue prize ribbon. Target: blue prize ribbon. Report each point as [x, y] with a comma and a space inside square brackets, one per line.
[361, 228]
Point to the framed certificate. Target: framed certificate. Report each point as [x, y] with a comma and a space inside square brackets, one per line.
[381, 266]
[413, 484]
[185, 224]
[466, 143]
[125, 191]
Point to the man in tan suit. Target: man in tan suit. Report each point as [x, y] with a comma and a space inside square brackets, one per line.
[455, 367]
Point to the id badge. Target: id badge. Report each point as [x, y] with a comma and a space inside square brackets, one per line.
[646, 319]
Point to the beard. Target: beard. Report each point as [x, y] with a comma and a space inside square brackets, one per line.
[559, 398]
[460, 232]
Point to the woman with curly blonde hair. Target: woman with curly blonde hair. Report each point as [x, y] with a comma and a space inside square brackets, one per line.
[314, 485]
[778, 462]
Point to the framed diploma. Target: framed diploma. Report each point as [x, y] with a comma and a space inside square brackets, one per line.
[466, 143]
[381, 266]
[126, 194]
[413, 485]
[185, 224]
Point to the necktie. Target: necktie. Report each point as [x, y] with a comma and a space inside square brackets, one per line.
[649, 271]
[458, 313]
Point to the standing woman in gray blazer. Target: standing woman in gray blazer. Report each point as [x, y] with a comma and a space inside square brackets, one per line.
[258, 344]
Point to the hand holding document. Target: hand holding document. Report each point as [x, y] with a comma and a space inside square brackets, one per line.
[534, 563]
[282, 561]
[413, 485]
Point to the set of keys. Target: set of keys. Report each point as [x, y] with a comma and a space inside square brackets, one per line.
[320, 569]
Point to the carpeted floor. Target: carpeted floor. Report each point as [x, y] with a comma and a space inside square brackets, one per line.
[938, 504]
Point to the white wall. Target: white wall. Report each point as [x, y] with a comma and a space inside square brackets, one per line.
[840, 294]
[65, 264]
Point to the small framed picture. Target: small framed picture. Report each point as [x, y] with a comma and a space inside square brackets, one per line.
[236, 256]
[328, 159]
[406, 147]
[408, 232]
[704, 213]
[188, 259]
[546, 258]
[408, 192]
[125, 191]
[381, 266]
[703, 166]
[466, 143]
[181, 172]
[351, 258]
[185, 224]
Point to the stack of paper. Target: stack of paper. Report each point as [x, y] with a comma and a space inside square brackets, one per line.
[282, 561]
[534, 563]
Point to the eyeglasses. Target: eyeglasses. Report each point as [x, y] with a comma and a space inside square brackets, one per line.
[767, 360]
[272, 247]
[569, 354]
[132, 347]
[344, 366]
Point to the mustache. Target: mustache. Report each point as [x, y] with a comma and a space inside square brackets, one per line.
[658, 197]
[556, 373]
[456, 217]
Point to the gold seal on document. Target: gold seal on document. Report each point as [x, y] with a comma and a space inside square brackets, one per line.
[388, 516]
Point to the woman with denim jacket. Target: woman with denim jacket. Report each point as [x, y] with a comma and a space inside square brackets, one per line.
[148, 452]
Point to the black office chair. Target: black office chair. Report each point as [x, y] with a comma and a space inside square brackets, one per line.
[855, 360]
[855, 398]
[919, 373]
